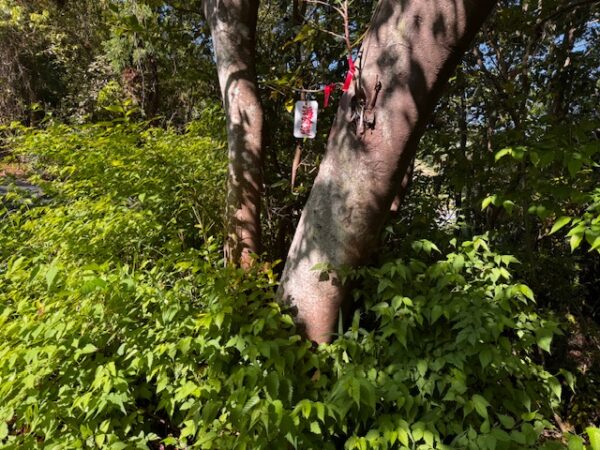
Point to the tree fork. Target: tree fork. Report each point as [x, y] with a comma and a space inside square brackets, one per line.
[411, 48]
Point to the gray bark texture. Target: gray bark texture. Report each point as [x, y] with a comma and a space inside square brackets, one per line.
[233, 31]
[411, 48]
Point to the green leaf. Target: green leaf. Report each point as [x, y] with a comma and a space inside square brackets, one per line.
[526, 291]
[594, 435]
[502, 153]
[289, 107]
[315, 428]
[569, 378]
[417, 431]
[500, 435]
[574, 165]
[544, 339]
[51, 276]
[115, 109]
[506, 421]
[272, 384]
[575, 442]
[480, 404]
[251, 403]
[320, 407]
[305, 408]
[422, 367]
[89, 348]
[485, 357]
[556, 387]
[99, 440]
[576, 241]
[509, 206]
[3, 430]
[458, 262]
[485, 426]
[489, 441]
[561, 222]
[596, 244]
[403, 437]
[428, 438]
[487, 201]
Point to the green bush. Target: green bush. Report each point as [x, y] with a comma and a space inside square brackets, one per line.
[120, 189]
[120, 328]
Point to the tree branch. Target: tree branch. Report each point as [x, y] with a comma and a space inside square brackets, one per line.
[565, 9]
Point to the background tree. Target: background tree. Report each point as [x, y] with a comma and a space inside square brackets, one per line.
[233, 26]
[48, 50]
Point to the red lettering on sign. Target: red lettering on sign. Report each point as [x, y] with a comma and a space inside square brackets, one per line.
[307, 119]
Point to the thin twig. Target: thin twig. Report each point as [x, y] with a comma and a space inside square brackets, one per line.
[308, 91]
[347, 26]
[343, 11]
[335, 35]
[319, 2]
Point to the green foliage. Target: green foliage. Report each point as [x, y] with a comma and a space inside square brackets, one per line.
[452, 356]
[159, 54]
[120, 328]
[119, 188]
[561, 178]
[594, 435]
[576, 442]
[513, 152]
[51, 59]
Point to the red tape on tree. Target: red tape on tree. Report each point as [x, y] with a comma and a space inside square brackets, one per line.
[328, 91]
[349, 75]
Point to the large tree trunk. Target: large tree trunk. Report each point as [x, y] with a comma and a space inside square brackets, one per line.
[233, 30]
[411, 48]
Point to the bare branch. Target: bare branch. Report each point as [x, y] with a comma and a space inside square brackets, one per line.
[331, 33]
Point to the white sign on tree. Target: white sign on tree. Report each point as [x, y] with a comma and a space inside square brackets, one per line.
[305, 119]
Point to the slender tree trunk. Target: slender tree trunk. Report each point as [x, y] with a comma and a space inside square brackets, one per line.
[560, 83]
[463, 159]
[411, 48]
[233, 30]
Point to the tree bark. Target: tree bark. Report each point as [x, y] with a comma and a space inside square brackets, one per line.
[411, 48]
[233, 30]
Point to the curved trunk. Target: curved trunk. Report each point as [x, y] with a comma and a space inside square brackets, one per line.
[233, 30]
[411, 48]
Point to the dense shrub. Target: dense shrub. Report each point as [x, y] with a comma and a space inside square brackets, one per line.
[120, 327]
[120, 189]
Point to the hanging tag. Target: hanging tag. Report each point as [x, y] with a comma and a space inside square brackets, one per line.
[328, 91]
[305, 119]
[349, 75]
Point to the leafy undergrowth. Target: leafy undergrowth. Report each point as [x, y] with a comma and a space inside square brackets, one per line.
[120, 328]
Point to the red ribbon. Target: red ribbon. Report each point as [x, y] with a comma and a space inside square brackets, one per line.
[349, 75]
[330, 88]
[328, 91]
